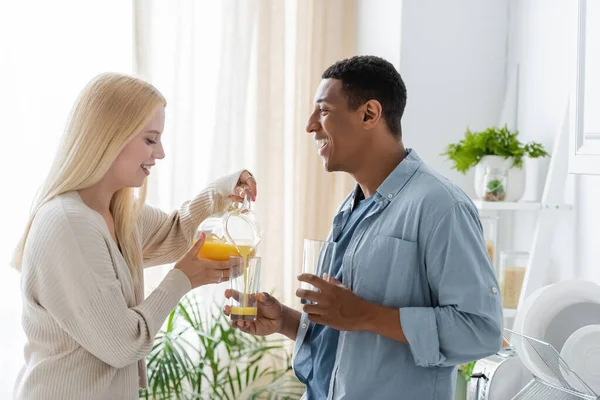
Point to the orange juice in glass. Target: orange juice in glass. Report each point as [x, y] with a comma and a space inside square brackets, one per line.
[244, 279]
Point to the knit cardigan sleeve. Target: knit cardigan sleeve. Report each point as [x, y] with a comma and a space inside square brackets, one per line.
[167, 237]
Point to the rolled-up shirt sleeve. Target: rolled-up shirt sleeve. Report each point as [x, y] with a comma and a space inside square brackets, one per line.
[465, 323]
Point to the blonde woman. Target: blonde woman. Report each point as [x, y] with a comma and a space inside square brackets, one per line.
[87, 323]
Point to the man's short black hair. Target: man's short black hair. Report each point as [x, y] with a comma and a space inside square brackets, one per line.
[367, 78]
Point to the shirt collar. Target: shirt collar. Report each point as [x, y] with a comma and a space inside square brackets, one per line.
[392, 185]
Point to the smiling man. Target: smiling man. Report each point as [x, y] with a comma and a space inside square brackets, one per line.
[412, 292]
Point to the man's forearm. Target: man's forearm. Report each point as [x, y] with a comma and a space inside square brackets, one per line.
[384, 321]
[291, 322]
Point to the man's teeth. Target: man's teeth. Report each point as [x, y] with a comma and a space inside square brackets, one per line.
[321, 143]
[146, 167]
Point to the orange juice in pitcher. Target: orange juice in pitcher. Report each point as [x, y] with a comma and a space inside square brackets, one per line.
[218, 249]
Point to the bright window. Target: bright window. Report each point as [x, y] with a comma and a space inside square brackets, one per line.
[48, 52]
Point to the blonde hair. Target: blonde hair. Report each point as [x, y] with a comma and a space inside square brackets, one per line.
[109, 112]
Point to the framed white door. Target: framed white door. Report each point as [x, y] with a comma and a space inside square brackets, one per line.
[584, 143]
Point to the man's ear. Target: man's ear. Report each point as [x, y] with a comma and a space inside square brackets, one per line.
[372, 113]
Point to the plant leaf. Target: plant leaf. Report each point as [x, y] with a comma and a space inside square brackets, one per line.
[492, 141]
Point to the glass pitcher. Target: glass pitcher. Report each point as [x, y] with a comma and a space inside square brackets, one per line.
[233, 232]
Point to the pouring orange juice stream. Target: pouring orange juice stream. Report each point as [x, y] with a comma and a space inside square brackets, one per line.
[245, 252]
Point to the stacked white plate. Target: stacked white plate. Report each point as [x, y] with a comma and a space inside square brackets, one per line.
[581, 353]
[552, 314]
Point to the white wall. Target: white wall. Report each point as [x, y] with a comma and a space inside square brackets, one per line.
[379, 28]
[46, 57]
[452, 57]
[542, 42]
[588, 233]
[456, 58]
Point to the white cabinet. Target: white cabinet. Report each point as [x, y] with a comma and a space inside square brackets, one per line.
[584, 132]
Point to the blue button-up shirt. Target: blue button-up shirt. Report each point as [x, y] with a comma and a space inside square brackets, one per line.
[324, 339]
[419, 249]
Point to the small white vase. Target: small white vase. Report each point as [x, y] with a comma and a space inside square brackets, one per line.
[515, 187]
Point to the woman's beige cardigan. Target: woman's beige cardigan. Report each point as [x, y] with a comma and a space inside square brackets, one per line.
[88, 328]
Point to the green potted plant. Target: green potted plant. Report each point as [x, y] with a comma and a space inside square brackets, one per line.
[199, 355]
[497, 148]
[462, 380]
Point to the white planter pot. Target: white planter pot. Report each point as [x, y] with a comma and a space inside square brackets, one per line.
[515, 185]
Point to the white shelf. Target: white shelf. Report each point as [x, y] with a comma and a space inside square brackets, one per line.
[518, 206]
[510, 312]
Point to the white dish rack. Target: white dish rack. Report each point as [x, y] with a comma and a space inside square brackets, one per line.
[555, 386]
